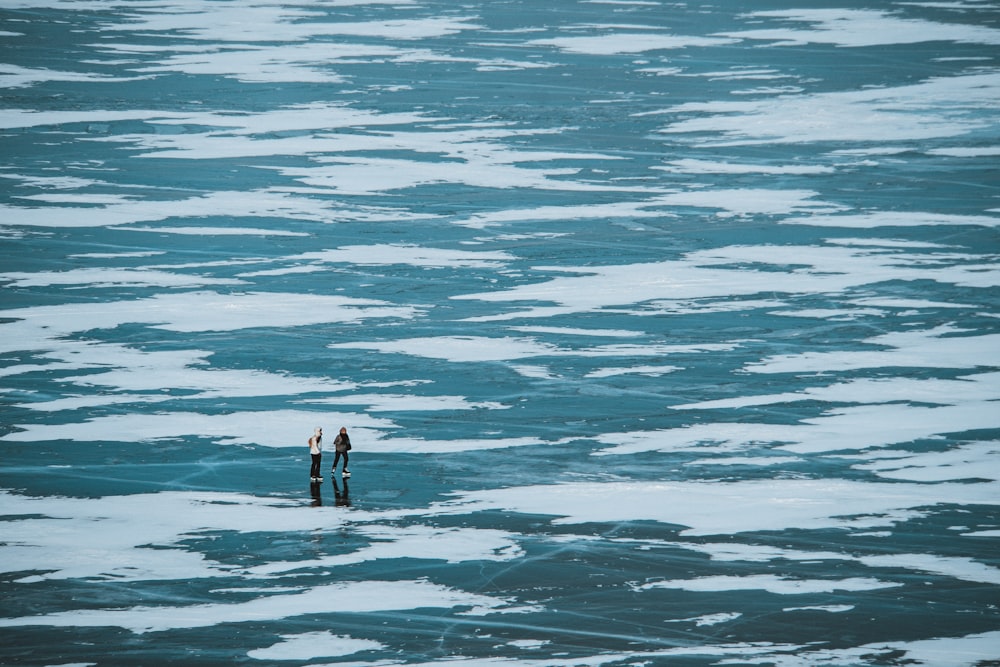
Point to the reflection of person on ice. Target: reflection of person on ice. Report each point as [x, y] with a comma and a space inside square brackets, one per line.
[343, 499]
[341, 445]
[316, 452]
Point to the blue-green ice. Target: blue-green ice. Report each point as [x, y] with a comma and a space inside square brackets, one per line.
[666, 333]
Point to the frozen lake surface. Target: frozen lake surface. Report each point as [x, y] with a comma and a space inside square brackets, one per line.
[665, 333]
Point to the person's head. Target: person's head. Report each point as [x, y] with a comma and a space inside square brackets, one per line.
[318, 431]
[343, 430]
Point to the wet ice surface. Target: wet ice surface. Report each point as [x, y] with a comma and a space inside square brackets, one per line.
[665, 334]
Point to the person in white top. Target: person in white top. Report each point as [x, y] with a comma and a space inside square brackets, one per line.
[316, 451]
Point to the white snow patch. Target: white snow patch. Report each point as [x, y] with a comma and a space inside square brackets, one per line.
[481, 348]
[727, 508]
[625, 43]
[770, 583]
[449, 545]
[874, 219]
[940, 347]
[359, 596]
[649, 371]
[977, 387]
[694, 166]
[937, 108]
[708, 619]
[110, 277]
[235, 204]
[966, 461]
[967, 651]
[862, 27]
[37, 327]
[311, 645]
[406, 254]
[852, 428]
[730, 273]
[154, 537]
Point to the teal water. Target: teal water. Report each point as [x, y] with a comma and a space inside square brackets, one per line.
[665, 333]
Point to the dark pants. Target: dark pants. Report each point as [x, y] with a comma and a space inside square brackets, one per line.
[314, 470]
[336, 458]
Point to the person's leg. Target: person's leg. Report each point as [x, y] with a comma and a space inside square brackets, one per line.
[314, 471]
[336, 459]
[345, 462]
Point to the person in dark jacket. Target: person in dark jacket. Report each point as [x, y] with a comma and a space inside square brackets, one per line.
[341, 445]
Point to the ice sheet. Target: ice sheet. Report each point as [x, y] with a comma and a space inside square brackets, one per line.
[663, 333]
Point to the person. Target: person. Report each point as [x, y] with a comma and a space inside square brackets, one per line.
[341, 445]
[316, 451]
